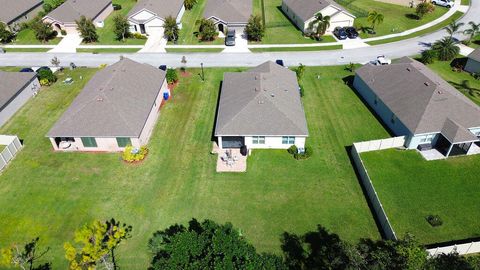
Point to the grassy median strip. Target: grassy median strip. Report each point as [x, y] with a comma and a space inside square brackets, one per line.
[194, 50]
[109, 50]
[296, 49]
[457, 15]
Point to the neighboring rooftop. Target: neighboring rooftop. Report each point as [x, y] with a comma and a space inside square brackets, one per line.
[12, 9]
[72, 10]
[264, 100]
[11, 83]
[229, 11]
[306, 9]
[116, 102]
[422, 100]
[475, 55]
[161, 8]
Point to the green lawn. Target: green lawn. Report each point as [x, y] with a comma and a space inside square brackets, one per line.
[27, 50]
[27, 37]
[49, 194]
[189, 26]
[109, 50]
[297, 49]
[432, 29]
[397, 18]
[463, 81]
[193, 50]
[411, 188]
[106, 34]
[475, 42]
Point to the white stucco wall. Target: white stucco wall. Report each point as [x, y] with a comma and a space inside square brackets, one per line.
[153, 117]
[103, 145]
[274, 143]
[19, 100]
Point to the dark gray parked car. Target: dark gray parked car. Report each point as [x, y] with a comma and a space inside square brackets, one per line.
[230, 38]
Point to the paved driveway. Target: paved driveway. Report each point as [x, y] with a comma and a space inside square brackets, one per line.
[155, 43]
[68, 44]
[241, 45]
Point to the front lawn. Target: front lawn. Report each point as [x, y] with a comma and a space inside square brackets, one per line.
[27, 37]
[462, 81]
[49, 194]
[411, 188]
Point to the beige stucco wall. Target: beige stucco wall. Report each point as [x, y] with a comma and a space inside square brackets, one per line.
[153, 117]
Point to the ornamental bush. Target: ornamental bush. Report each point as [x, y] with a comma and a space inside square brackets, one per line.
[47, 76]
[434, 220]
[172, 76]
[305, 155]
[132, 154]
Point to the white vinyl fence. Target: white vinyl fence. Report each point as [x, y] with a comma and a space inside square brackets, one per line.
[462, 249]
[12, 146]
[375, 145]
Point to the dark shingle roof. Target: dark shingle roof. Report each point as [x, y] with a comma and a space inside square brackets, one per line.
[72, 10]
[229, 11]
[475, 55]
[12, 9]
[306, 9]
[11, 83]
[116, 102]
[161, 8]
[421, 100]
[262, 101]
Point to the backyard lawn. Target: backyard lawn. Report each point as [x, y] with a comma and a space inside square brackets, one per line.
[411, 188]
[49, 194]
[463, 81]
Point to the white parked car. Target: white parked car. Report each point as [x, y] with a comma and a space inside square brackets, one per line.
[443, 3]
[382, 60]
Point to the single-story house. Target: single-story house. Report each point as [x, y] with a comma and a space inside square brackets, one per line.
[118, 107]
[13, 12]
[16, 88]
[261, 109]
[64, 16]
[232, 14]
[302, 13]
[473, 62]
[416, 103]
[148, 16]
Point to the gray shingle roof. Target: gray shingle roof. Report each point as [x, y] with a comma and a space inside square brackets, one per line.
[306, 9]
[161, 8]
[12, 9]
[264, 100]
[12, 83]
[475, 55]
[116, 102]
[229, 11]
[454, 132]
[72, 10]
[421, 99]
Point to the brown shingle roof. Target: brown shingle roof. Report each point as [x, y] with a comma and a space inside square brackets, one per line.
[419, 98]
[161, 8]
[10, 10]
[229, 11]
[12, 83]
[72, 10]
[306, 9]
[262, 101]
[116, 102]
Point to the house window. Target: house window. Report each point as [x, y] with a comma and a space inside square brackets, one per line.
[288, 140]
[89, 142]
[258, 140]
[123, 142]
[394, 119]
[427, 138]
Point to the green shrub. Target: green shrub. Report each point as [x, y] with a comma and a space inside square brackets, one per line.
[47, 74]
[292, 150]
[117, 6]
[139, 36]
[434, 220]
[172, 76]
[302, 90]
[132, 154]
[63, 32]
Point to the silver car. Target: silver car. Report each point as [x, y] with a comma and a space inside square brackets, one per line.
[230, 38]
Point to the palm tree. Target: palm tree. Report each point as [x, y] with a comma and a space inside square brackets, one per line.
[472, 31]
[171, 28]
[319, 25]
[446, 48]
[453, 28]
[375, 18]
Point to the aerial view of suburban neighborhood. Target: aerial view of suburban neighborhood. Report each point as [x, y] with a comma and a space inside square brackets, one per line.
[240, 134]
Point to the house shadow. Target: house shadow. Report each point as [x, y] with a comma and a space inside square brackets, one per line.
[212, 137]
[459, 63]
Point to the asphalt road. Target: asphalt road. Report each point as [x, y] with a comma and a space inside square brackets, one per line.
[320, 58]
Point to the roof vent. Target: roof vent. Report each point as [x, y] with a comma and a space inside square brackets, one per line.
[426, 83]
[99, 99]
[272, 95]
[408, 69]
[256, 89]
[439, 92]
[256, 78]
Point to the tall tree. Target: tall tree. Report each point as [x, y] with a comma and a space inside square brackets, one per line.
[87, 30]
[255, 29]
[5, 34]
[446, 48]
[473, 31]
[96, 244]
[423, 9]
[319, 25]
[206, 245]
[189, 4]
[453, 27]
[171, 28]
[121, 27]
[43, 31]
[23, 256]
[206, 30]
[375, 18]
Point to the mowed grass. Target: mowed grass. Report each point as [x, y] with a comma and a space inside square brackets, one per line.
[411, 188]
[190, 27]
[27, 37]
[106, 35]
[397, 18]
[48, 194]
[463, 81]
